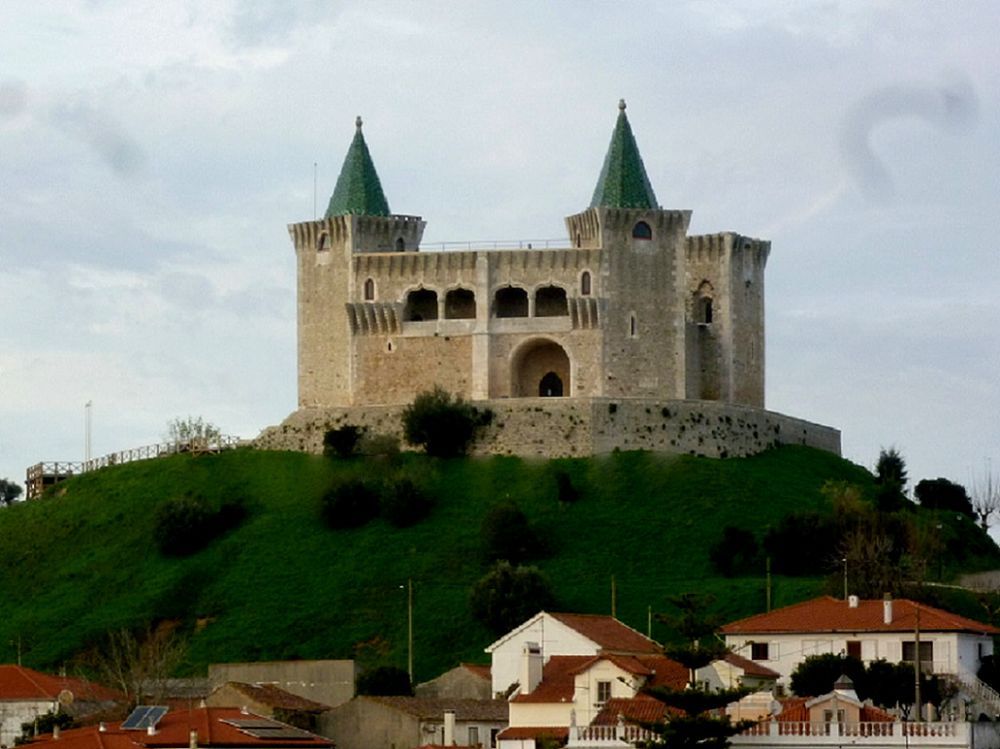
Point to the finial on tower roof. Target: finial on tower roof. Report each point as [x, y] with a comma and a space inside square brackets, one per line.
[623, 182]
[358, 191]
[357, 122]
[621, 105]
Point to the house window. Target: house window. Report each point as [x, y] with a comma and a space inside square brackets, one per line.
[854, 649]
[926, 651]
[603, 692]
[473, 735]
[493, 736]
[642, 231]
[759, 651]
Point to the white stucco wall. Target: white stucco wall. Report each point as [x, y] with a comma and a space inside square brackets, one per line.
[13, 714]
[954, 652]
[554, 638]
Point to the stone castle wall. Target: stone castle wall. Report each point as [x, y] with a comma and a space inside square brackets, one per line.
[564, 427]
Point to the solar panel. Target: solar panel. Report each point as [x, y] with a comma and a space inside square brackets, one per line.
[253, 723]
[285, 732]
[143, 717]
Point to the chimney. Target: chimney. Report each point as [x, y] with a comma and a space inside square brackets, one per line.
[852, 602]
[55, 733]
[449, 727]
[887, 608]
[193, 739]
[102, 727]
[531, 667]
[150, 730]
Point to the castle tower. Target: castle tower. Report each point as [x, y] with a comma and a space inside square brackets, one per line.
[330, 291]
[642, 352]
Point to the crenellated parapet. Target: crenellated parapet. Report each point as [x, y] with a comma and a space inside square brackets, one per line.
[713, 247]
[359, 234]
[374, 318]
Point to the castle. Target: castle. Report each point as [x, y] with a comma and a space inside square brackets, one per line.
[632, 335]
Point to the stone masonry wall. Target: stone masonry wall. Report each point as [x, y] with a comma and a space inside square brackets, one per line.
[565, 427]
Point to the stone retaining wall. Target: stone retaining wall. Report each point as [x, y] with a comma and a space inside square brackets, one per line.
[563, 427]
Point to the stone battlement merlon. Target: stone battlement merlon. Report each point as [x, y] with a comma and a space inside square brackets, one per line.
[402, 264]
[712, 247]
[361, 234]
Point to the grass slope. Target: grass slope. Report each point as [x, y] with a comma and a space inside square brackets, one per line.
[282, 585]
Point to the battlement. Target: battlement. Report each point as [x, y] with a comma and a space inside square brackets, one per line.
[713, 247]
[393, 233]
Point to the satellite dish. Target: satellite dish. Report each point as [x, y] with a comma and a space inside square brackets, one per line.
[65, 698]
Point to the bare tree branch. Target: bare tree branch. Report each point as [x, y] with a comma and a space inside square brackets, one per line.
[985, 493]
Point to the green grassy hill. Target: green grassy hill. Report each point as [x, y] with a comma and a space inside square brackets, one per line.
[83, 560]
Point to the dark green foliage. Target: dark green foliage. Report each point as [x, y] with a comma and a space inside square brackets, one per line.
[701, 731]
[188, 523]
[736, 553]
[567, 493]
[802, 543]
[444, 426]
[385, 681]
[942, 494]
[43, 724]
[405, 504]
[989, 671]
[350, 504]
[507, 596]
[890, 480]
[817, 674]
[507, 535]
[9, 492]
[342, 442]
[384, 447]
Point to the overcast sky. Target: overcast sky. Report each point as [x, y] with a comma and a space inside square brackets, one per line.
[152, 154]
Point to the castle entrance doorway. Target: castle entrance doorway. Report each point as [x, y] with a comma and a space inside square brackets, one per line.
[540, 368]
[550, 386]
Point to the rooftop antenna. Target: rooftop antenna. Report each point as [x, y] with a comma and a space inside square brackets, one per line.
[314, 190]
[87, 408]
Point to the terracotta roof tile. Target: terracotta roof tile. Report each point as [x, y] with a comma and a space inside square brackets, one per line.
[431, 708]
[828, 614]
[640, 709]
[750, 668]
[794, 710]
[20, 683]
[275, 697]
[609, 633]
[483, 672]
[557, 679]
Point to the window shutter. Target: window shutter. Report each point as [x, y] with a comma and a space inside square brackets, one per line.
[772, 651]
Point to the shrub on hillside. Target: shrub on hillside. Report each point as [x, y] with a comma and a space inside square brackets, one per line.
[350, 504]
[385, 681]
[803, 543]
[507, 595]
[186, 524]
[507, 535]
[342, 442]
[942, 494]
[566, 492]
[444, 426]
[404, 503]
[383, 446]
[735, 553]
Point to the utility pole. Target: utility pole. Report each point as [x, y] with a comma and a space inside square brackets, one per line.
[87, 426]
[845, 577]
[768, 584]
[409, 628]
[613, 598]
[916, 662]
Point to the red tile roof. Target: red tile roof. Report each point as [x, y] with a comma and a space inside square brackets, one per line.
[174, 730]
[18, 683]
[559, 673]
[639, 709]
[557, 679]
[534, 732]
[483, 672]
[828, 614]
[750, 668]
[794, 710]
[275, 697]
[609, 633]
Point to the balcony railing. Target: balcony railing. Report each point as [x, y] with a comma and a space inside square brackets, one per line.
[875, 733]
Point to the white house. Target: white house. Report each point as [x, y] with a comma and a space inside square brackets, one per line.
[561, 634]
[866, 629]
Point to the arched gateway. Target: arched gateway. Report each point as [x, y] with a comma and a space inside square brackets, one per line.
[540, 368]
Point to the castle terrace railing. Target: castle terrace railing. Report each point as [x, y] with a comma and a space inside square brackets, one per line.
[43, 475]
[496, 244]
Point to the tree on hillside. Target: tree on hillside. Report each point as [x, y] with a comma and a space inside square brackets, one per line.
[942, 494]
[443, 425]
[890, 478]
[192, 429]
[698, 724]
[385, 681]
[985, 496]
[507, 595]
[9, 492]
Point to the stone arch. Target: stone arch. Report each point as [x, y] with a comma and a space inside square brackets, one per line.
[369, 291]
[510, 301]
[586, 283]
[540, 367]
[460, 304]
[400, 244]
[550, 301]
[642, 230]
[421, 304]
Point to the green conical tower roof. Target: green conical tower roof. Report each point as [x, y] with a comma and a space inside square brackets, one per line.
[358, 189]
[623, 182]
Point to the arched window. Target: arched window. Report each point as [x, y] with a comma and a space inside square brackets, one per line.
[324, 242]
[510, 301]
[400, 245]
[369, 290]
[703, 306]
[642, 231]
[550, 301]
[460, 304]
[421, 304]
[706, 310]
[585, 283]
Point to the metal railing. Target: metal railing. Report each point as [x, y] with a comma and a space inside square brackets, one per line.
[496, 244]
